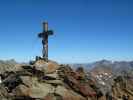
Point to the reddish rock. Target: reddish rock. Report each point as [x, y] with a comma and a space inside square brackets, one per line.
[76, 80]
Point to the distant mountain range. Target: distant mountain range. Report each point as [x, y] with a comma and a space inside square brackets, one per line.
[114, 67]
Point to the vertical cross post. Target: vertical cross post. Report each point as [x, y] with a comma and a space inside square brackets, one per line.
[45, 41]
[44, 35]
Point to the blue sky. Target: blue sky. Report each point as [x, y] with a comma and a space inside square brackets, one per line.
[84, 30]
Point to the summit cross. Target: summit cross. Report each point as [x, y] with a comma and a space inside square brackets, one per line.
[44, 35]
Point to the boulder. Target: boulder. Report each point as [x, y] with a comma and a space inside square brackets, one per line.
[26, 80]
[39, 89]
[41, 65]
[68, 94]
[53, 75]
[52, 67]
[47, 67]
[21, 90]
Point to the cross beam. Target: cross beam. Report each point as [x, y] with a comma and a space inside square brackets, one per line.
[44, 35]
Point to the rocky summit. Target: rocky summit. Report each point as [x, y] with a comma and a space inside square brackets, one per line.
[47, 81]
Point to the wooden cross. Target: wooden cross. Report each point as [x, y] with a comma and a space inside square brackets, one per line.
[44, 35]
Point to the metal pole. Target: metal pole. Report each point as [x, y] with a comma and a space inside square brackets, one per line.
[45, 40]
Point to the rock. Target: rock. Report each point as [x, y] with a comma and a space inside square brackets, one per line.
[53, 75]
[12, 82]
[26, 80]
[80, 74]
[55, 82]
[86, 90]
[53, 96]
[31, 70]
[68, 94]
[81, 86]
[41, 65]
[21, 90]
[49, 97]
[40, 90]
[8, 65]
[4, 94]
[47, 67]
[52, 67]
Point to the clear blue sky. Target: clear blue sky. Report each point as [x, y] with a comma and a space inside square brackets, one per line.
[85, 30]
